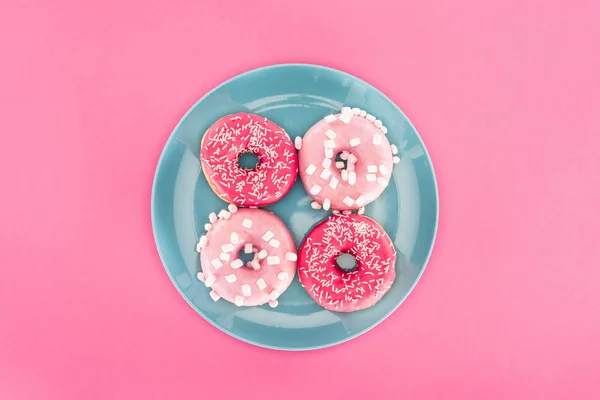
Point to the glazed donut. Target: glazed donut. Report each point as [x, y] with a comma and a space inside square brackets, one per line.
[366, 161]
[347, 291]
[233, 135]
[250, 230]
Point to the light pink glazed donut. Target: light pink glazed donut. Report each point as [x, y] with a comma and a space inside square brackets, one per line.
[347, 291]
[250, 230]
[233, 135]
[367, 160]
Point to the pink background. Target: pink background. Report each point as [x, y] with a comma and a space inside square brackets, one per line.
[506, 95]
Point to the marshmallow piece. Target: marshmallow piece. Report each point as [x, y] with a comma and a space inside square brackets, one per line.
[384, 170]
[282, 276]
[291, 256]
[363, 113]
[396, 160]
[339, 164]
[231, 278]
[325, 174]
[333, 182]
[207, 227]
[246, 290]
[361, 211]
[273, 303]
[371, 118]
[382, 181]
[274, 295]
[354, 142]
[384, 130]
[372, 168]
[360, 201]
[212, 217]
[214, 295]
[247, 223]
[326, 162]
[330, 118]
[346, 118]
[254, 264]
[275, 243]
[311, 169]
[356, 111]
[315, 189]
[237, 263]
[268, 236]
[348, 201]
[346, 110]
[262, 254]
[328, 153]
[371, 177]
[315, 205]
[298, 142]
[352, 178]
[273, 260]
[216, 263]
[248, 248]
[224, 214]
[234, 237]
[239, 301]
[378, 123]
[261, 283]
[200, 276]
[344, 175]
[330, 134]
[394, 149]
[226, 248]
[344, 155]
[377, 140]
[210, 281]
[232, 208]
[326, 204]
[225, 257]
[201, 243]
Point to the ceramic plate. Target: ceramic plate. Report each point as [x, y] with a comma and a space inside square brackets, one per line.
[294, 97]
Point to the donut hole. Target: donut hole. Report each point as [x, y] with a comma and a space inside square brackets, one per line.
[346, 262]
[248, 160]
[338, 160]
[245, 257]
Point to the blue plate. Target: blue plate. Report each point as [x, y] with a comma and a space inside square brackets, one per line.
[294, 97]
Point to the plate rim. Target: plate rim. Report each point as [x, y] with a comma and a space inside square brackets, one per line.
[160, 251]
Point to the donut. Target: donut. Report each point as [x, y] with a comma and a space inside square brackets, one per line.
[346, 160]
[232, 136]
[343, 290]
[261, 235]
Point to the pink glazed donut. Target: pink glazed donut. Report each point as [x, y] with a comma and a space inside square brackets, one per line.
[250, 230]
[366, 166]
[347, 291]
[233, 135]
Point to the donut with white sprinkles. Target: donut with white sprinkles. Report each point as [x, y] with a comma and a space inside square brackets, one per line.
[346, 160]
[347, 290]
[254, 232]
[232, 136]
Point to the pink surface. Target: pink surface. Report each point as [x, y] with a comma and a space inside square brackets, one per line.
[505, 94]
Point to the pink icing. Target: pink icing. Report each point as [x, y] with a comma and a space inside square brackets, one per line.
[367, 153]
[235, 134]
[338, 290]
[220, 234]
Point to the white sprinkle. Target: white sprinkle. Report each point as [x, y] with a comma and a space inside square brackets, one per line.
[344, 174]
[346, 110]
[360, 201]
[377, 140]
[346, 118]
[394, 149]
[247, 223]
[210, 280]
[329, 144]
[325, 174]
[330, 118]
[352, 178]
[330, 134]
[232, 208]
[361, 211]
[248, 248]
[372, 168]
[268, 236]
[326, 163]
[363, 113]
[225, 257]
[326, 204]
[282, 276]
[378, 124]
[273, 260]
[339, 164]
[212, 217]
[201, 243]
[226, 248]
[275, 243]
[382, 181]
[262, 254]
[371, 177]
[298, 142]
[234, 238]
[214, 295]
[384, 130]
[356, 111]
[261, 283]
[344, 155]
[396, 160]
[237, 263]
[354, 142]
[200, 276]
[352, 158]
[348, 201]
[383, 169]
[207, 227]
[315, 205]
[224, 214]
[311, 169]
[246, 290]
[273, 303]
[239, 301]
[216, 263]
[291, 256]
[333, 182]
[254, 264]
[315, 189]
[231, 278]
[371, 118]
[274, 295]
[328, 153]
